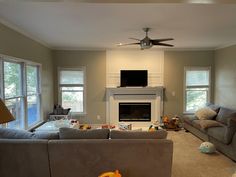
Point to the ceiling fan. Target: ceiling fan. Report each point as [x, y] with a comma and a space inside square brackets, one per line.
[147, 43]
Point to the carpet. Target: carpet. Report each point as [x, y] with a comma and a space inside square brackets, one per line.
[189, 162]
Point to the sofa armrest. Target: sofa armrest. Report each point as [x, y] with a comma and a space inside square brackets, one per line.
[231, 122]
[231, 128]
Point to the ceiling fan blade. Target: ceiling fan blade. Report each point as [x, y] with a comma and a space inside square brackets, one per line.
[134, 39]
[163, 44]
[136, 43]
[155, 41]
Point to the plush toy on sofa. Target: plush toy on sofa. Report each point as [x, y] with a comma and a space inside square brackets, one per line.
[207, 147]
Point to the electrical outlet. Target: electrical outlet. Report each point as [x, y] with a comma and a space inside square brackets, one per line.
[173, 93]
[98, 117]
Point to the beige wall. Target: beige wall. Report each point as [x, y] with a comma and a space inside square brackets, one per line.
[174, 63]
[225, 77]
[95, 64]
[16, 45]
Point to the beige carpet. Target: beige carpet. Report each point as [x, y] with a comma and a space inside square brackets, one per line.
[189, 162]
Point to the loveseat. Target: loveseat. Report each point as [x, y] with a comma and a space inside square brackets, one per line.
[86, 157]
[222, 134]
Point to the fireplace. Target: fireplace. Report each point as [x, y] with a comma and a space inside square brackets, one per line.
[139, 112]
[122, 103]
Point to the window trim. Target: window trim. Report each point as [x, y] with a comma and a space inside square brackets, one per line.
[23, 63]
[82, 68]
[195, 68]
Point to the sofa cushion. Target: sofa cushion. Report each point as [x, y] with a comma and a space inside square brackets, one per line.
[70, 133]
[205, 113]
[225, 114]
[189, 119]
[45, 135]
[196, 124]
[209, 123]
[159, 134]
[7, 133]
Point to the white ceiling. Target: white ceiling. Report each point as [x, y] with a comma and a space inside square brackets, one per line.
[73, 25]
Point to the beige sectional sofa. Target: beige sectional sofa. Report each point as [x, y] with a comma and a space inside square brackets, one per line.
[73, 157]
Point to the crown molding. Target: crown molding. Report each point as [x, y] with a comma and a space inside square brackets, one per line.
[225, 46]
[23, 32]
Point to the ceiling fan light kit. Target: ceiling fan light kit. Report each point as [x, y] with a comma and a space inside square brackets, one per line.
[147, 43]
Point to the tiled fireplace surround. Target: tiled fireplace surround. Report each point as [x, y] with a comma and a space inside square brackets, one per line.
[153, 95]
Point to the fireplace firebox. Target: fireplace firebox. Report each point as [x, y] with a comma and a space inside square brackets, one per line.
[138, 112]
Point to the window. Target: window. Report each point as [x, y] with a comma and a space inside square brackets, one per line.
[20, 90]
[72, 89]
[197, 88]
[13, 92]
[33, 94]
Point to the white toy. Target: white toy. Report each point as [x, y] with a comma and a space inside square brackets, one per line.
[207, 147]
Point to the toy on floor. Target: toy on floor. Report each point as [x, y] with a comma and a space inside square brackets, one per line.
[171, 123]
[207, 147]
[111, 174]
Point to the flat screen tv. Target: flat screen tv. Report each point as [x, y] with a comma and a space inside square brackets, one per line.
[133, 78]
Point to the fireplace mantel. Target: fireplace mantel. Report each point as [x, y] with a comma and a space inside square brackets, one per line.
[156, 91]
[114, 95]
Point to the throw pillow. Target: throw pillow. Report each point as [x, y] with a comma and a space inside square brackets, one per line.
[205, 113]
[7, 133]
[209, 123]
[225, 114]
[70, 133]
[159, 134]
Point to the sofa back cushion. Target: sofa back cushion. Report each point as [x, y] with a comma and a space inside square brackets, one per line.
[159, 134]
[70, 133]
[225, 114]
[205, 124]
[45, 135]
[7, 133]
[214, 107]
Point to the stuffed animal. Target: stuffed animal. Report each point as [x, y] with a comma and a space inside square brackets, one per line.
[172, 123]
[165, 120]
[207, 147]
[111, 174]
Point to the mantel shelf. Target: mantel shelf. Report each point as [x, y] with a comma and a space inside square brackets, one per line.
[157, 91]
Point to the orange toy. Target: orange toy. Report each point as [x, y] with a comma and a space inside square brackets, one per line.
[111, 174]
[165, 119]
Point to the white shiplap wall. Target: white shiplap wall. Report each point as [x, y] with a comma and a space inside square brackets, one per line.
[117, 60]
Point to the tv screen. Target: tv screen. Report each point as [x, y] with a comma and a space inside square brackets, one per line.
[133, 78]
